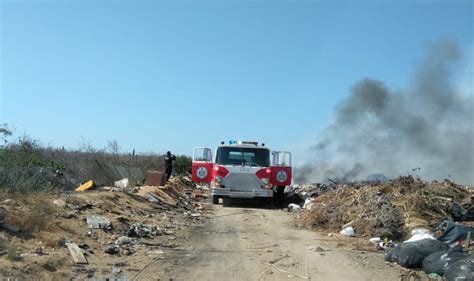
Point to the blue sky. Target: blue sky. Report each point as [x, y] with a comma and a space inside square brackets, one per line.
[159, 75]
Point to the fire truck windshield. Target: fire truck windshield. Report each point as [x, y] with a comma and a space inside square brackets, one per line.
[258, 157]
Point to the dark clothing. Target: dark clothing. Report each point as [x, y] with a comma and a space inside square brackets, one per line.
[169, 165]
[279, 197]
[168, 171]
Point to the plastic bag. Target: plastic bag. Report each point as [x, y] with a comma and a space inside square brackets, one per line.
[462, 214]
[348, 231]
[461, 270]
[412, 254]
[438, 262]
[453, 231]
[420, 236]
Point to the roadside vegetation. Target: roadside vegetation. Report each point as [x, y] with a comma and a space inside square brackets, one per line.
[26, 165]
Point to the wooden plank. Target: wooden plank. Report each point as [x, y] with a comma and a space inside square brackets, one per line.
[76, 254]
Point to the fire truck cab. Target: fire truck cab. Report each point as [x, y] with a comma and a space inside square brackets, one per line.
[242, 169]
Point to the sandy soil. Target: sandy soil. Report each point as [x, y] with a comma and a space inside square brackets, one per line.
[242, 242]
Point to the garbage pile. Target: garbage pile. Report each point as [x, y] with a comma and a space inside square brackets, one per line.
[449, 255]
[434, 219]
[389, 210]
[88, 233]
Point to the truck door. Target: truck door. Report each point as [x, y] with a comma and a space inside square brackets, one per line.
[281, 168]
[202, 165]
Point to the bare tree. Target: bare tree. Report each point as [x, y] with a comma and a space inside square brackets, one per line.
[113, 147]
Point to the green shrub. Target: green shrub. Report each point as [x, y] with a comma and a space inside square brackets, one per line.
[182, 165]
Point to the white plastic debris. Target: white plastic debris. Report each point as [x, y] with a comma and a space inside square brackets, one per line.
[123, 183]
[59, 203]
[420, 236]
[97, 222]
[375, 240]
[420, 231]
[348, 231]
[308, 204]
[294, 207]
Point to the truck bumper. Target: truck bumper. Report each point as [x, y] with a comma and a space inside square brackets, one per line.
[226, 192]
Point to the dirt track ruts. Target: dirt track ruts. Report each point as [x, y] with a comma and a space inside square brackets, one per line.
[242, 243]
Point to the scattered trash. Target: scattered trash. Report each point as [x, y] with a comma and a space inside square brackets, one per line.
[293, 207]
[112, 249]
[59, 203]
[97, 222]
[11, 228]
[386, 245]
[420, 236]
[9, 202]
[462, 213]
[139, 227]
[308, 204]
[412, 254]
[348, 231]
[123, 183]
[292, 197]
[76, 254]
[155, 178]
[375, 240]
[62, 242]
[420, 231]
[198, 194]
[125, 240]
[440, 261]
[144, 230]
[39, 251]
[453, 232]
[116, 270]
[86, 186]
[155, 254]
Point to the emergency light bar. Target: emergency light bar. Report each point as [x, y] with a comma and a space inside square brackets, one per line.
[243, 142]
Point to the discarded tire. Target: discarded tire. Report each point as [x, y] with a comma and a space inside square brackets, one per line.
[412, 254]
[440, 261]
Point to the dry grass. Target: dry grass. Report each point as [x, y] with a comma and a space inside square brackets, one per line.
[13, 254]
[415, 275]
[32, 213]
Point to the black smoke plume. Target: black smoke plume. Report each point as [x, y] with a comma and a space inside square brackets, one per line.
[425, 129]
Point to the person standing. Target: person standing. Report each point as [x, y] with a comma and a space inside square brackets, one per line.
[169, 158]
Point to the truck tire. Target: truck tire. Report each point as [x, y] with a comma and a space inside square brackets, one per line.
[215, 199]
[265, 201]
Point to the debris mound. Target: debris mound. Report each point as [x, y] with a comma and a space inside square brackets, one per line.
[391, 209]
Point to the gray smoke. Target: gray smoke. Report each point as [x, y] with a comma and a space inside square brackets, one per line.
[425, 129]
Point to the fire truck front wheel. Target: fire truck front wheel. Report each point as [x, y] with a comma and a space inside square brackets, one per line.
[215, 199]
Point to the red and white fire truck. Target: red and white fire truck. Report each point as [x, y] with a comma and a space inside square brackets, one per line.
[242, 169]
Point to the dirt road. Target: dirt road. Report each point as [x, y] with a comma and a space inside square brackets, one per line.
[245, 243]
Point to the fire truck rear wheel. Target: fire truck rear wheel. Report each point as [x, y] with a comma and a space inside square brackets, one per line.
[215, 199]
